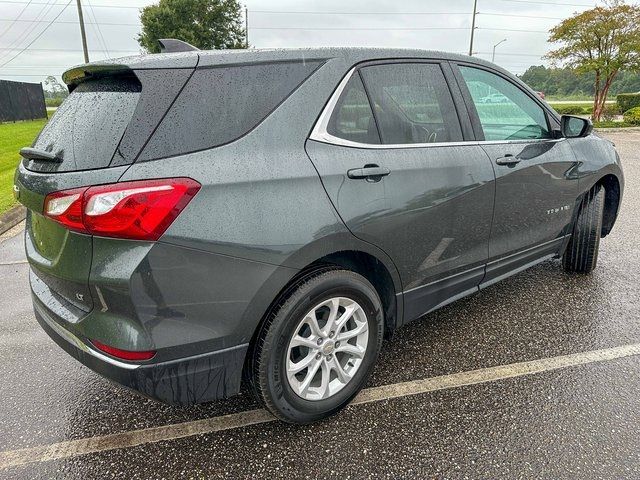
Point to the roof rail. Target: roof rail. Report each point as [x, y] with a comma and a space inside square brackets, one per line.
[172, 45]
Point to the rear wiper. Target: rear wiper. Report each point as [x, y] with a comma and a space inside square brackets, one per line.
[35, 154]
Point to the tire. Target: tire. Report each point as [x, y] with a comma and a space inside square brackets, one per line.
[317, 391]
[581, 255]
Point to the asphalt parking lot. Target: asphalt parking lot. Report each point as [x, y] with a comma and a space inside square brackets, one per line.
[535, 377]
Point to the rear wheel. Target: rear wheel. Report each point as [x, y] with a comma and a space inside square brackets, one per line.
[316, 350]
[581, 255]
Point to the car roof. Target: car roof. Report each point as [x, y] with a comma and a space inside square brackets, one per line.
[209, 58]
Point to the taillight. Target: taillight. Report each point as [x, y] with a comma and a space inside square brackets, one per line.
[140, 210]
[135, 355]
[66, 207]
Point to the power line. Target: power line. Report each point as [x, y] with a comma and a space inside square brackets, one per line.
[96, 27]
[38, 36]
[300, 12]
[49, 4]
[15, 20]
[97, 6]
[511, 30]
[550, 3]
[74, 22]
[513, 54]
[359, 28]
[518, 15]
[538, 2]
[22, 36]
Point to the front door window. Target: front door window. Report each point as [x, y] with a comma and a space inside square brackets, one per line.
[504, 110]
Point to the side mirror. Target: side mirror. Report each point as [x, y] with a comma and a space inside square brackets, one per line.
[575, 127]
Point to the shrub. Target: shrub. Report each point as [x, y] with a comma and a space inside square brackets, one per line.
[627, 101]
[570, 109]
[632, 116]
[53, 102]
[611, 125]
[610, 112]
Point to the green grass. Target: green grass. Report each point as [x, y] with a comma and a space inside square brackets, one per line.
[574, 98]
[609, 124]
[572, 108]
[13, 136]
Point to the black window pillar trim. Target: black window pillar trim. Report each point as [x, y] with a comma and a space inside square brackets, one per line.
[371, 104]
[472, 112]
[464, 117]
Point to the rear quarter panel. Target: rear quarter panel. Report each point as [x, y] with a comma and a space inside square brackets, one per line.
[261, 215]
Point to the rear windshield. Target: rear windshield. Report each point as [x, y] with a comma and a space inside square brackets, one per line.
[86, 129]
[221, 104]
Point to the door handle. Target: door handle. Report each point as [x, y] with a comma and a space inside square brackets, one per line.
[508, 159]
[370, 172]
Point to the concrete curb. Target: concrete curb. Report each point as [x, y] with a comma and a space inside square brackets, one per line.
[11, 218]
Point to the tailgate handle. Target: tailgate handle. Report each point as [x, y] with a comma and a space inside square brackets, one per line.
[372, 172]
[36, 154]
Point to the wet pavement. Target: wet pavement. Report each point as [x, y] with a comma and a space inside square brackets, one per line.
[576, 422]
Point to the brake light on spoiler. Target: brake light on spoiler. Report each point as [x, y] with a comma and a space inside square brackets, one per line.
[139, 210]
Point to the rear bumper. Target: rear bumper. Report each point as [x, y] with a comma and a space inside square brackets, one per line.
[185, 381]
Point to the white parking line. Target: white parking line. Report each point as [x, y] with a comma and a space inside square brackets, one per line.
[74, 448]
[15, 262]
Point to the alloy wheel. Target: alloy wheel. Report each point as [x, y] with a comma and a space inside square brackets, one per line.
[327, 348]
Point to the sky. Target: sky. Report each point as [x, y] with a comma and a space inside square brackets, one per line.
[31, 50]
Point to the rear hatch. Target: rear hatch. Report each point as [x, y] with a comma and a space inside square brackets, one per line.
[92, 139]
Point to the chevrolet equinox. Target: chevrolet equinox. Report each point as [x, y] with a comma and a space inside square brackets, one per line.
[196, 218]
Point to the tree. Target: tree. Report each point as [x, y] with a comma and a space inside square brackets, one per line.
[206, 24]
[564, 82]
[54, 89]
[601, 41]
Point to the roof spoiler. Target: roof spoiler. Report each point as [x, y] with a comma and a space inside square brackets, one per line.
[74, 76]
[172, 45]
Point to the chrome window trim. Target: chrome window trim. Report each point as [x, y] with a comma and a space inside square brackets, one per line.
[319, 132]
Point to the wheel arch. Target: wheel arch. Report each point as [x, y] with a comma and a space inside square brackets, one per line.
[376, 273]
[611, 185]
[374, 266]
[359, 258]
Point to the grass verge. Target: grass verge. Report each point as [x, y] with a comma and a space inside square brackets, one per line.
[607, 124]
[13, 136]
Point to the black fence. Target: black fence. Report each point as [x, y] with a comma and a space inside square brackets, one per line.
[21, 101]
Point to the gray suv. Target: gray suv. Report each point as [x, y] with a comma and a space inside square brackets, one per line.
[199, 218]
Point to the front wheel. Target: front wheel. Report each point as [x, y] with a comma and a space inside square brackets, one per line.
[316, 350]
[581, 255]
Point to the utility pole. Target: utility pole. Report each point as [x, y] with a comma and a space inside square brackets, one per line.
[82, 33]
[473, 26]
[246, 26]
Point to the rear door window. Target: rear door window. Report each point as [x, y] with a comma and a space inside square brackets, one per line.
[86, 129]
[221, 104]
[352, 118]
[412, 103]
